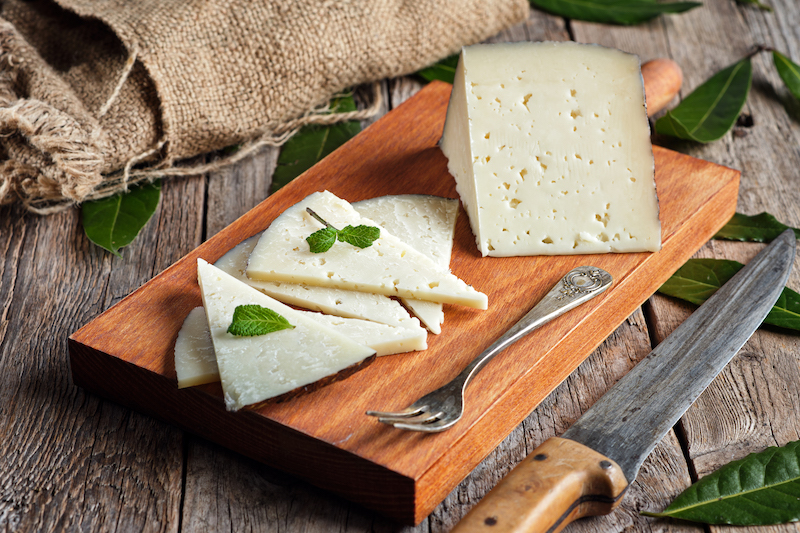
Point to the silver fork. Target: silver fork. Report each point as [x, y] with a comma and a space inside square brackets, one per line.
[442, 408]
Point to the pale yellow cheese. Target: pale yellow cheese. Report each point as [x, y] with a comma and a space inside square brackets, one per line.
[428, 224]
[195, 362]
[389, 266]
[338, 302]
[549, 144]
[253, 369]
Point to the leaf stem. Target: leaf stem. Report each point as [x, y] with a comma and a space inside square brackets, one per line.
[758, 49]
[319, 218]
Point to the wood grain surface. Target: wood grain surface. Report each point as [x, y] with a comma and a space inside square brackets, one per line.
[72, 461]
[126, 353]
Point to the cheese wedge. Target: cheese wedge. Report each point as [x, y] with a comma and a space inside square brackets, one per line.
[549, 144]
[338, 302]
[253, 369]
[426, 222]
[195, 362]
[389, 266]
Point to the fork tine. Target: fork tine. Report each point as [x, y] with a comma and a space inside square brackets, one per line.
[422, 418]
[434, 427]
[411, 410]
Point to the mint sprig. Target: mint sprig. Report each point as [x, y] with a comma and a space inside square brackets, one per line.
[252, 320]
[322, 240]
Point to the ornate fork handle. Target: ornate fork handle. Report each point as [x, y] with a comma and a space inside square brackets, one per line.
[442, 408]
[577, 286]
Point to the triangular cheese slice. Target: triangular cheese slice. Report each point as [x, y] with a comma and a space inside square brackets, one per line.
[253, 369]
[196, 364]
[389, 266]
[428, 223]
[338, 302]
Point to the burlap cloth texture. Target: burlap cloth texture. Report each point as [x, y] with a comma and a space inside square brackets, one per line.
[92, 91]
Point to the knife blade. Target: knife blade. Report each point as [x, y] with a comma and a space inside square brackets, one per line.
[587, 470]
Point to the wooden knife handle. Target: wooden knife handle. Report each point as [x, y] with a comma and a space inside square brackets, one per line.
[662, 81]
[559, 482]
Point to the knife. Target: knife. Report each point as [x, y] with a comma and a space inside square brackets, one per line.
[587, 470]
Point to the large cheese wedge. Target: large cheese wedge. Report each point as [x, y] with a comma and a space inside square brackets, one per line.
[338, 302]
[549, 144]
[253, 369]
[196, 363]
[389, 266]
[428, 223]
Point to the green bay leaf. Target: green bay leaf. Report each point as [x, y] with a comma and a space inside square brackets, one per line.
[313, 143]
[756, 3]
[753, 228]
[114, 222]
[711, 110]
[788, 71]
[761, 489]
[625, 12]
[444, 70]
[252, 320]
[698, 279]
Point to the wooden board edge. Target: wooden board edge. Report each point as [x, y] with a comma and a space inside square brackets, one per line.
[345, 474]
[431, 488]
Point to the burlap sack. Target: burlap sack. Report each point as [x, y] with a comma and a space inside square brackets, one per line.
[90, 88]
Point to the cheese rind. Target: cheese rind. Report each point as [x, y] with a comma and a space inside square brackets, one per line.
[253, 369]
[338, 302]
[550, 148]
[426, 222]
[389, 266]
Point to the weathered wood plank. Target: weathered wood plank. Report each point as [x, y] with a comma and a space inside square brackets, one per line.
[71, 461]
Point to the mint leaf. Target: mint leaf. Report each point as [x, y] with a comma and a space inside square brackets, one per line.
[322, 240]
[252, 320]
[360, 236]
[114, 222]
[761, 489]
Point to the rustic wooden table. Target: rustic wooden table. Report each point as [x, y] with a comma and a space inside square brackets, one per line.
[72, 461]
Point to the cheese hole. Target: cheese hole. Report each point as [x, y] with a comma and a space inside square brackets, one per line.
[330, 274]
[603, 237]
[322, 261]
[574, 244]
[514, 203]
[573, 92]
[507, 185]
[502, 86]
[486, 136]
[433, 284]
[633, 180]
[578, 156]
[525, 100]
[523, 173]
[547, 240]
[575, 113]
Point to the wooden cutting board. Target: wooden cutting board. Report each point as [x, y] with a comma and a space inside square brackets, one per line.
[126, 354]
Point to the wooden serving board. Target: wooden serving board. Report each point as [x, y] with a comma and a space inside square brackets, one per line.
[126, 354]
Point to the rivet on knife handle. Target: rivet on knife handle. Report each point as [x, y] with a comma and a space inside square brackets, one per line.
[442, 408]
[559, 482]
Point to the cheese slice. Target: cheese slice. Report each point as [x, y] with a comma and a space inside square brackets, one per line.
[389, 266]
[338, 302]
[549, 144]
[426, 222]
[253, 369]
[195, 362]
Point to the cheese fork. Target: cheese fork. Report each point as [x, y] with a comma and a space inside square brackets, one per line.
[442, 408]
